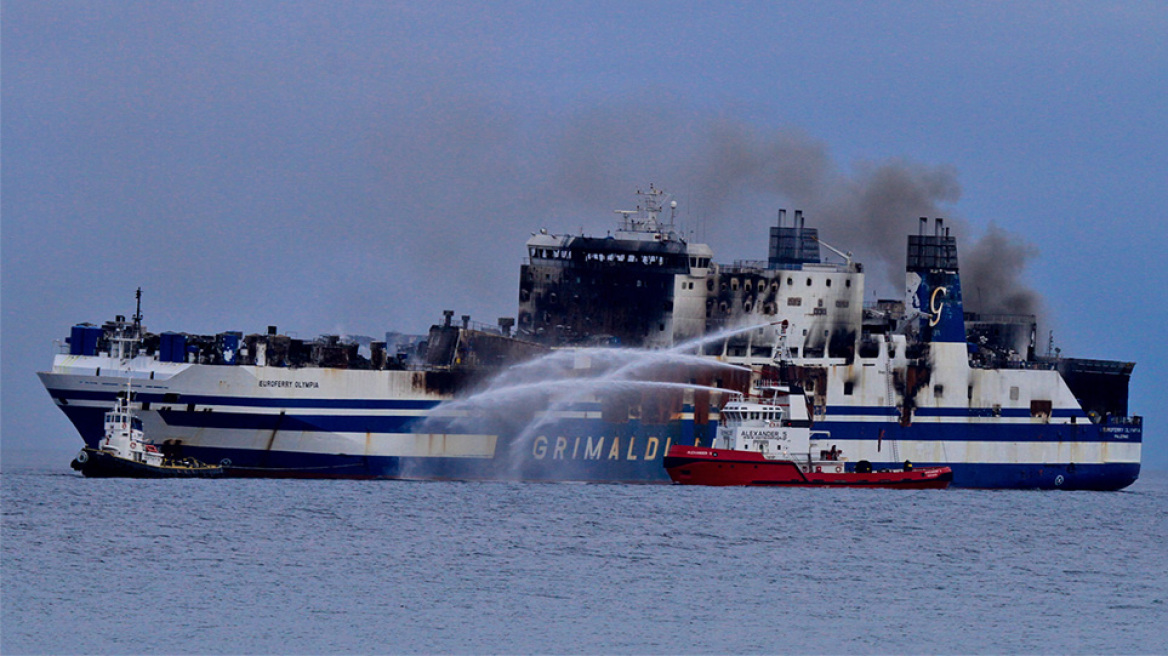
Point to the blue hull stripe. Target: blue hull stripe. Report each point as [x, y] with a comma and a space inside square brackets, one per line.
[288, 422]
[400, 404]
[252, 402]
[843, 431]
[839, 430]
[863, 411]
[885, 411]
[290, 403]
[1013, 413]
[974, 432]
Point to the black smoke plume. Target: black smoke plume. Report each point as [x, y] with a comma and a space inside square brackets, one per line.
[737, 175]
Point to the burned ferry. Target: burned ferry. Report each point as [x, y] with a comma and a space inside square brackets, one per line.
[624, 346]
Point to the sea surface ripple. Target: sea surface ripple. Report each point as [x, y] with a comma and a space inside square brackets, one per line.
[267, 566]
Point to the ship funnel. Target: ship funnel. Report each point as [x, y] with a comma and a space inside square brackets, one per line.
[933, 287]
[794, 246]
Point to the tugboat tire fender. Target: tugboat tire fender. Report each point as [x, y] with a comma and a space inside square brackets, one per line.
[83, 457]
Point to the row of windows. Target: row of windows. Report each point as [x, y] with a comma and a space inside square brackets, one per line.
[746, 285]
[550, 253]
[764, 415]
[769, 308]
[622, 258]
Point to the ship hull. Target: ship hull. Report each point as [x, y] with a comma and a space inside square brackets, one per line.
[327, 423]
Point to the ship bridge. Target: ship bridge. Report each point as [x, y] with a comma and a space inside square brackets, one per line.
[643, 286]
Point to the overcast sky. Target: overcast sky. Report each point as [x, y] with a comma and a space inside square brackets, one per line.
[360, 167]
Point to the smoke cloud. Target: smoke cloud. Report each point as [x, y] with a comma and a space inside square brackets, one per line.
[737, 176]
[991, 275]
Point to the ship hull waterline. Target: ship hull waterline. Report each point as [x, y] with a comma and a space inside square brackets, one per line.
[590, 450]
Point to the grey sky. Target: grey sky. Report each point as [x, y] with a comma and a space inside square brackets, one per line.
[360, 167]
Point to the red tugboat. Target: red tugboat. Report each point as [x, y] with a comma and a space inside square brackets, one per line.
[768, 441]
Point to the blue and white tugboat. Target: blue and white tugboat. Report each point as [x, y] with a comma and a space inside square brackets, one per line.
[125, 452]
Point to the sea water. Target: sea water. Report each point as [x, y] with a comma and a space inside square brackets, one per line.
[298, 567]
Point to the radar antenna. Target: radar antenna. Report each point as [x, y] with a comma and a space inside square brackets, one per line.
[647, 218]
